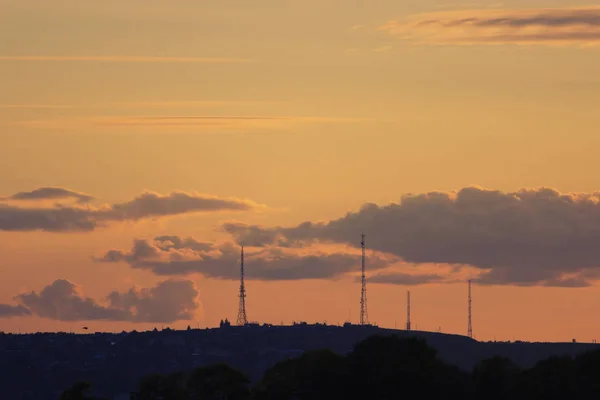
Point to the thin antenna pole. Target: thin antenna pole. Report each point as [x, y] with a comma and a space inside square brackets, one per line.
[470, 327]
[364, 315]
[408, 310]
[241, 317]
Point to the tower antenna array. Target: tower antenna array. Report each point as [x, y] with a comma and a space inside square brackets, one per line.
[470, 328]
[408, 310]
[364, 315]
[241, 317]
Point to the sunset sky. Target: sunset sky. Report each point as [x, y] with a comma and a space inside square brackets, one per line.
[142, 142]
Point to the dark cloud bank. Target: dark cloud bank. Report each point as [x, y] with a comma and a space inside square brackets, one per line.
[529, 237]
[171, 255]
[167, 302]
[78, 218]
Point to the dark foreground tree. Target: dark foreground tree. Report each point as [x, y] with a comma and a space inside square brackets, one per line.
[79, 391]
[551, 379]
[217, 382]
[587, 371]
[387, 367]
[495, 378]
[163, 387]
[205, 383]
[315, 375]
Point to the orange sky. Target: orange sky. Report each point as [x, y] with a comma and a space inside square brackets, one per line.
[286, 112]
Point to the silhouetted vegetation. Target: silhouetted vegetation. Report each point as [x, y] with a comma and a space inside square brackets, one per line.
[380, 367]
[79, 391]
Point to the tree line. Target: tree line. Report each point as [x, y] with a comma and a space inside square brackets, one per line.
[380, 367]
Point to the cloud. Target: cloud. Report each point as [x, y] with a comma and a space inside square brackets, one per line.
[189, 103]
[528, 237]
[51, 193]
[10, 311]
[171, 255]
[130, 59]
[209, 122]
[168, 301]
[37, 106]
[144, 104]
[400, 278]
[382, 49]
[522, 26]
[71, 218]
[155, 205]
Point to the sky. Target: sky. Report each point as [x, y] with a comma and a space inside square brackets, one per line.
[142, 143]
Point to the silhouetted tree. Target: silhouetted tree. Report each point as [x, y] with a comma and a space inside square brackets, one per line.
[550, 379]
[495, 378]
[587, 371]
[163, 387]
[217, 382]
[79, 391]
[315, 375]
[387, 366]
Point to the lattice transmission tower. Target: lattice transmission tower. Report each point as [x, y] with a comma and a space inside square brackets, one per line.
[470, 327]
[364, 314]
[408, 310]
[241, 317]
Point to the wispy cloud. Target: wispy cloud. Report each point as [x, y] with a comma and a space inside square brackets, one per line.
[37, 106]
[189, 103]
[382, 49]
[561, 26]
[50, 193]
[145, 104]
[130, 59]
[210, 122]
[357, 27]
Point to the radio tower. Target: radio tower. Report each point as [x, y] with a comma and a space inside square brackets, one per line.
[408, 310]
[470, 328]
[364, 315]
[241, 317]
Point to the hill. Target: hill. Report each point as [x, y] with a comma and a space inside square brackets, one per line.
[39, 366]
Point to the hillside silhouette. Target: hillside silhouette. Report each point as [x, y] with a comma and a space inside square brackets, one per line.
[380, 367]
[41, 366]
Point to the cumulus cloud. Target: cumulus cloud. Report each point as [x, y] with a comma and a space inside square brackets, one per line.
[223, 260]
[61, 218]
[528, 237]
[10, 311]
[526, 26]
[51, 193]
[168, 301]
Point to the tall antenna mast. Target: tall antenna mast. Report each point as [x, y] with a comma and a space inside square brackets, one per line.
[241, 317]
[470, 328]
[364, 315]
[408, 310]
